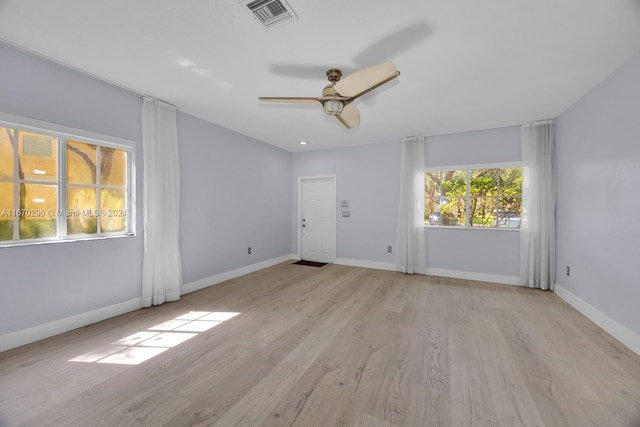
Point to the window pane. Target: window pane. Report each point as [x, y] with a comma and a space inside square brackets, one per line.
[482, 212]
[38, 205]
[38, 156]
[432, 210]
[510, 182]
[483, 189]
[453, 211]
[432, 184]
[39, 197]
[113, 167]
[445, 193]
[484, 182]
[432, 197]
[453, 201]
[6, 210]
[511, 204]
[81, 210]
[510, 214]
[81, 163]
[113, 216]
[454, 183]
[6, 153]
[34, 145]
[510, 210]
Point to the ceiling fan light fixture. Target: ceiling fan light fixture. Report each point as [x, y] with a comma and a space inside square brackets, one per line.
[333, 106]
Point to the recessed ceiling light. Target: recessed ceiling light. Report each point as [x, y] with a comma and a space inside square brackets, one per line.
[303, 142]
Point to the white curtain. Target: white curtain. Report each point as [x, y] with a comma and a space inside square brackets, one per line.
[410, 244]
[538, 234]
[161, 269]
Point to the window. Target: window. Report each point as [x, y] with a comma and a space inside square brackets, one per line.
[477, 196]
[96, 189]
[60, 186]
[35, 145]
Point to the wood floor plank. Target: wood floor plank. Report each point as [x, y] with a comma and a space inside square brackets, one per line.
[366, 420]
[512, 401]
[335, 345]
[471, 402]
[552, 398]
[241, 374]
[255, 406]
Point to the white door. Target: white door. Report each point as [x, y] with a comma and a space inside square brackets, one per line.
[317, 219]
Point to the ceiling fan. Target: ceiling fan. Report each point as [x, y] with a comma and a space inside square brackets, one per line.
[337, 97]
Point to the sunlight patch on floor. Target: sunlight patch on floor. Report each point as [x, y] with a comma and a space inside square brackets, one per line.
[144, 345]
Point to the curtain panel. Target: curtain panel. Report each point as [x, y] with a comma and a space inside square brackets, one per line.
[161, 269]
[410, 243]
[538, 233]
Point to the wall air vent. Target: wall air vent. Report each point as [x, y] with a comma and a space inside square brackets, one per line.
[271, 13]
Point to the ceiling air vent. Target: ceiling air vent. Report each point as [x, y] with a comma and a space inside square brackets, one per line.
[271, 13]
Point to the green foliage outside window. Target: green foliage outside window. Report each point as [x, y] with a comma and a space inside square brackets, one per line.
[474, 197]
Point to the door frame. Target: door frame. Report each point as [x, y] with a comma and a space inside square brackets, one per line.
[333, 218]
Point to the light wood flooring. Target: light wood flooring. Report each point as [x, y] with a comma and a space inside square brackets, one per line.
[333, 346]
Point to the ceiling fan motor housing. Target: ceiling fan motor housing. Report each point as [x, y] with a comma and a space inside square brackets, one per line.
[334, 75]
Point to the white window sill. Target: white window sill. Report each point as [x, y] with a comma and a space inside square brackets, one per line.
[79, 238]
[453, 227]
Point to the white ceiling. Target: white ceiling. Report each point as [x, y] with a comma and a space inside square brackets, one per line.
[465, 64]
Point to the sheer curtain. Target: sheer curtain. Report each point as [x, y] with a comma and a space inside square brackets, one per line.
[161, 269]
[538, 234]
[410, 245]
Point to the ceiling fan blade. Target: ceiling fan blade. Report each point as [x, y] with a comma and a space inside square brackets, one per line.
[291, 100]
[367, 79]
[349, 117]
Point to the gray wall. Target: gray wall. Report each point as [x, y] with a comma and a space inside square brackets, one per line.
[598, 208]
[369, 176]
[235, 194]
[490, 252]
[42, 283]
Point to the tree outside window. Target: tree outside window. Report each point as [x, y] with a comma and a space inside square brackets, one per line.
[474, 197]
[88, 197]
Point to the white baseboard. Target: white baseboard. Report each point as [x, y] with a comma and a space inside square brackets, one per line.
[468, 275]
[46, 330]
[49, 329]
[454, 274]
[228, 275]
[377, 265]
[615, 329]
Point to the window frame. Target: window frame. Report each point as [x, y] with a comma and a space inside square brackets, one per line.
[63, 134]
[467, 169]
